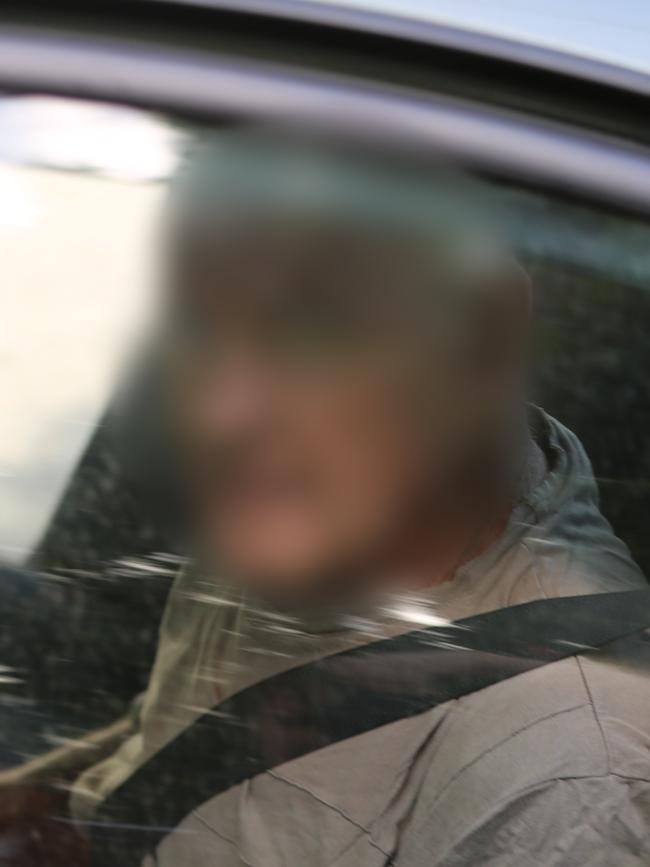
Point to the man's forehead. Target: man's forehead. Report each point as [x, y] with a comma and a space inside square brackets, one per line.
[264, 262]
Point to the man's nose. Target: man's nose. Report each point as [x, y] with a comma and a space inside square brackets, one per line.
[240, 397]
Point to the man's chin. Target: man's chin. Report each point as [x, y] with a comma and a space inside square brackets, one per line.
[282, 581]
[269, 569]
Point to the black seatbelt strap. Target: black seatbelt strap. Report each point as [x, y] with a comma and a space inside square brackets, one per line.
[343, 695]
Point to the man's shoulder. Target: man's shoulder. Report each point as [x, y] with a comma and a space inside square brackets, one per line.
[519, 732]
[577, 718]
[570, 736]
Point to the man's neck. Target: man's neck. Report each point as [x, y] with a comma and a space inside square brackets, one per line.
[452, 539]
[467, 522]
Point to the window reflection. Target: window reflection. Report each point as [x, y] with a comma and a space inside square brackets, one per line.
[353, 403]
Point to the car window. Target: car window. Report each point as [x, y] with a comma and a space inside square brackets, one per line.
[77, 234]
[269, 397]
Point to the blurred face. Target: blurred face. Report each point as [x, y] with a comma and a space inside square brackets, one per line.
[324, 399]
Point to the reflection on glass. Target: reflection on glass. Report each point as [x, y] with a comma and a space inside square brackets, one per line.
[315, 433]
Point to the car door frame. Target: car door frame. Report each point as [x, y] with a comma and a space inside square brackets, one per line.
[95, 56]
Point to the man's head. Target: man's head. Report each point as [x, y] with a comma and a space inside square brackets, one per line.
[349, 345]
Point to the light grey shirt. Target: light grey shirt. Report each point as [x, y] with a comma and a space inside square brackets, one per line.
[551, 767]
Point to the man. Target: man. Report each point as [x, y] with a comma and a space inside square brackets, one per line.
[348, 354]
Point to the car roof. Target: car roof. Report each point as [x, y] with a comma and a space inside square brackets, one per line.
[586, 28]
[573, 39]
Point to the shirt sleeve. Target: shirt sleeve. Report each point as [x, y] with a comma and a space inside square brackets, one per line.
[595, 820]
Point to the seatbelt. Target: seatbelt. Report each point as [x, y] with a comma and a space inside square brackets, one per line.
[337, 697]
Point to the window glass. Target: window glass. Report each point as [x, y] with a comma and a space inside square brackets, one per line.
[77, 243]
[270, 399]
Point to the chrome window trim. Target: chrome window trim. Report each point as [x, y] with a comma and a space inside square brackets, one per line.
[507, 144]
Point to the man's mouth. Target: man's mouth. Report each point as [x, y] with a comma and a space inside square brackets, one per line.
[261, 490]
